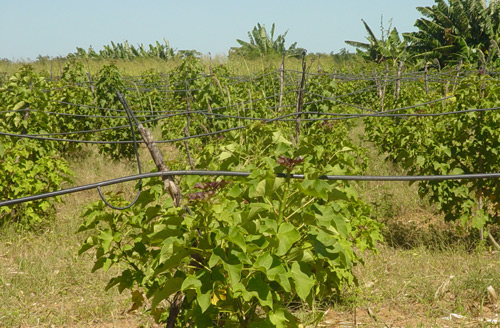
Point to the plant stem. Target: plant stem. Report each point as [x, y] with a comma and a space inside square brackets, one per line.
[283, 201]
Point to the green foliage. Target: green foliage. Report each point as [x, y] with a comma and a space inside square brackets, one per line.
[69, 92]
[127, 51]
[28, 167]
[24, 97]
[246, 248]
[448, 145]
[389, 47]
[263, 44]
[460, 30]
[109, 81]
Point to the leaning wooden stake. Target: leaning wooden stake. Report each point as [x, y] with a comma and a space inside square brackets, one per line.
[169, 184]
[147, 136]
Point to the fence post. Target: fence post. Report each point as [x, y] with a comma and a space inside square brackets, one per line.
[92, 89]
[455, 83]
[398, 80]
[188, 120]
[300, 98]
[384, 86]
[426, 77]
[186, 132]
[282, 82]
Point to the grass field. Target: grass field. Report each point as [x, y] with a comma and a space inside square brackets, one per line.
[136, 67]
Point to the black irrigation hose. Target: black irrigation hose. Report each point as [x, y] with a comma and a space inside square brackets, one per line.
[130, 116]
[246, 174]
[283, 118]
[323, 98]
[36, 137]
[157, 118]
[86, 106]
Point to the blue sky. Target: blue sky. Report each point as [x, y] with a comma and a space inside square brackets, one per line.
[55, 27]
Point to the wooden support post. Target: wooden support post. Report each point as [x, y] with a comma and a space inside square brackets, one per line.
[188, 122]
[282, 82]
[300, 99]
[426, 77]
[455, 83]
[384, 87]
[147, 136]
[210, 70]
[398, 80]
[445, 93]
[186, 132]
[92, 89]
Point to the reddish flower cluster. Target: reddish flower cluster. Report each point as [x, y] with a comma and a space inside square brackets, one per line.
[289, 163]
[208, 189]
[327, 125]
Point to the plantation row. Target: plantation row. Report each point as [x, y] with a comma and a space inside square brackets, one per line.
[239, 252]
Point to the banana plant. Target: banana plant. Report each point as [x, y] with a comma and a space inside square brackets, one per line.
[262, 43]
[126, 50]
[460, 30]
[389, 48]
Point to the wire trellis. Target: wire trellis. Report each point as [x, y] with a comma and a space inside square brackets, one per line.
[292, 85]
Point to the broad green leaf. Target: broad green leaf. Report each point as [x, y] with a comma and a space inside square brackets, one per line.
[190, 282]
[260, 189]
[89, 243]
[340, 225]
[224, 155]
[204, 291]
[107, 264]
[315, 187]
[19, 105]
[256, 208]
[287, 236]
[278, 318]
[107, 238]
[304, 283]
[173, 261]
[260, 290]
[204, 299]
[420, 160]
[235, 191]
[234, 271]
[263, 261]
[214, 260]
[283, 280]
[328, 218]
[236, 236]
[479, 220]
[171, 286]
[152, 212]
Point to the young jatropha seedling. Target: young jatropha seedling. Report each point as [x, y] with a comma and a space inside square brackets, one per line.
[245, 249]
